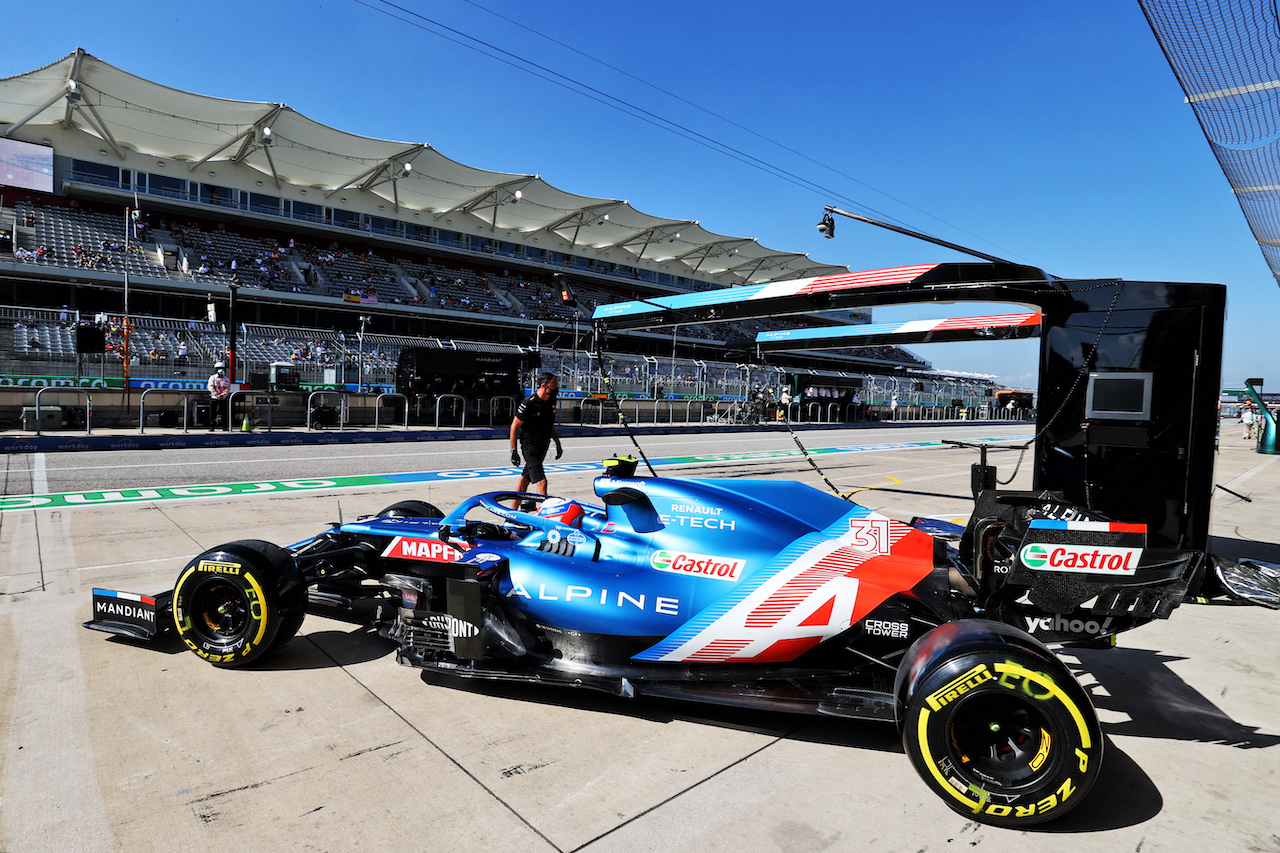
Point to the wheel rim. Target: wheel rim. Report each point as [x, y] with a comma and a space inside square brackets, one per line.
[220, 611]
[1005, 740]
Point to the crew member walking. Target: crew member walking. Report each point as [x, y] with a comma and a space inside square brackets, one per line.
[535, 424]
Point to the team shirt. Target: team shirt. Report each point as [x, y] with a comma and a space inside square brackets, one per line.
[537, 417]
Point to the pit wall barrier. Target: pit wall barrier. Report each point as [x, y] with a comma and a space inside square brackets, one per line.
[188, 409]
[172, 418]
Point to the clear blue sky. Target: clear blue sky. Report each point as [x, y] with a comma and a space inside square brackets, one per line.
[1050, 133]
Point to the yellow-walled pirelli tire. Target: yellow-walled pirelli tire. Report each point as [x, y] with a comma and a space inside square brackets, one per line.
[996, 725]
[239, 602]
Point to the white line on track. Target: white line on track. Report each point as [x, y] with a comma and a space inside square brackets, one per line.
[397, 451]
[1242, 478]
[39, 476]
[134, 563]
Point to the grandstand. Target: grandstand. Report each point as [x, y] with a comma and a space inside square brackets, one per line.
[310, 237]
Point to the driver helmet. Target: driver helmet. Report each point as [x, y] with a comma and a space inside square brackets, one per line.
[219, 366]
[562, 510]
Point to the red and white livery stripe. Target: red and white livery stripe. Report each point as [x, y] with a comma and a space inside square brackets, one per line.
[1091, 526]
[843, 281]
[819, 595]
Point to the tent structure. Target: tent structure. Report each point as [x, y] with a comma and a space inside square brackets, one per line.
[124, 113]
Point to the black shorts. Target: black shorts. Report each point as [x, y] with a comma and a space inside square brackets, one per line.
[534, 450]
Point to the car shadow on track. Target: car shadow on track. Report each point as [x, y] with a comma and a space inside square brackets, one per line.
[326, 649]
[1124, 795]
[1159, 703]
[859, 734]
[167, 643]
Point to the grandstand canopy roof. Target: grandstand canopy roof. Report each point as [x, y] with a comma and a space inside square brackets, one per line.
[129, 113]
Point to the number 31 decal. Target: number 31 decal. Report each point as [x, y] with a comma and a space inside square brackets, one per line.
[870, 535]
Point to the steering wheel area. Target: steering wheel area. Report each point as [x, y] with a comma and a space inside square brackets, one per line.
[490, 501]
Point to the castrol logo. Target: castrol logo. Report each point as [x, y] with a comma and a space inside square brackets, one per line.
[701, 565]
[1087, 559]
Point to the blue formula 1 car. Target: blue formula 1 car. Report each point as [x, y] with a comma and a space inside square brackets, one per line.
[758, 593]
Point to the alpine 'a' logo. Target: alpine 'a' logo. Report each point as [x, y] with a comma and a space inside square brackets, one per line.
[409, 548]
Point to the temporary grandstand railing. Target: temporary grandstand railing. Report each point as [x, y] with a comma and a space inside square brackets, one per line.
[9, 312]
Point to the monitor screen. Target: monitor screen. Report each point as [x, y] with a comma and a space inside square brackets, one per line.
[1121, 395]
[25, 165]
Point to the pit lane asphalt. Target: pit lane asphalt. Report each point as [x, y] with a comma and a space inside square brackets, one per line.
[111, 746]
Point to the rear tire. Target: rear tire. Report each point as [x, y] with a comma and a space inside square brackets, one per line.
[996, 725]
[239, 602]
[412, 509]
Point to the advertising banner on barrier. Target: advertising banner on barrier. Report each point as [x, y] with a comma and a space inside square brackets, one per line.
[10, 381]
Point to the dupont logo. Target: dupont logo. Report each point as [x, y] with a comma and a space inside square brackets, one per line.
[1087, 559]
[451, 625]
[406, 548]
[702, 565]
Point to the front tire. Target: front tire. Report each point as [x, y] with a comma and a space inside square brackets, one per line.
[239, 602]
[996, 725]
[412, 509]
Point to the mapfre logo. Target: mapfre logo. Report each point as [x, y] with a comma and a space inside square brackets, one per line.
[702, 565]
[407, 548]
[1087, 559]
